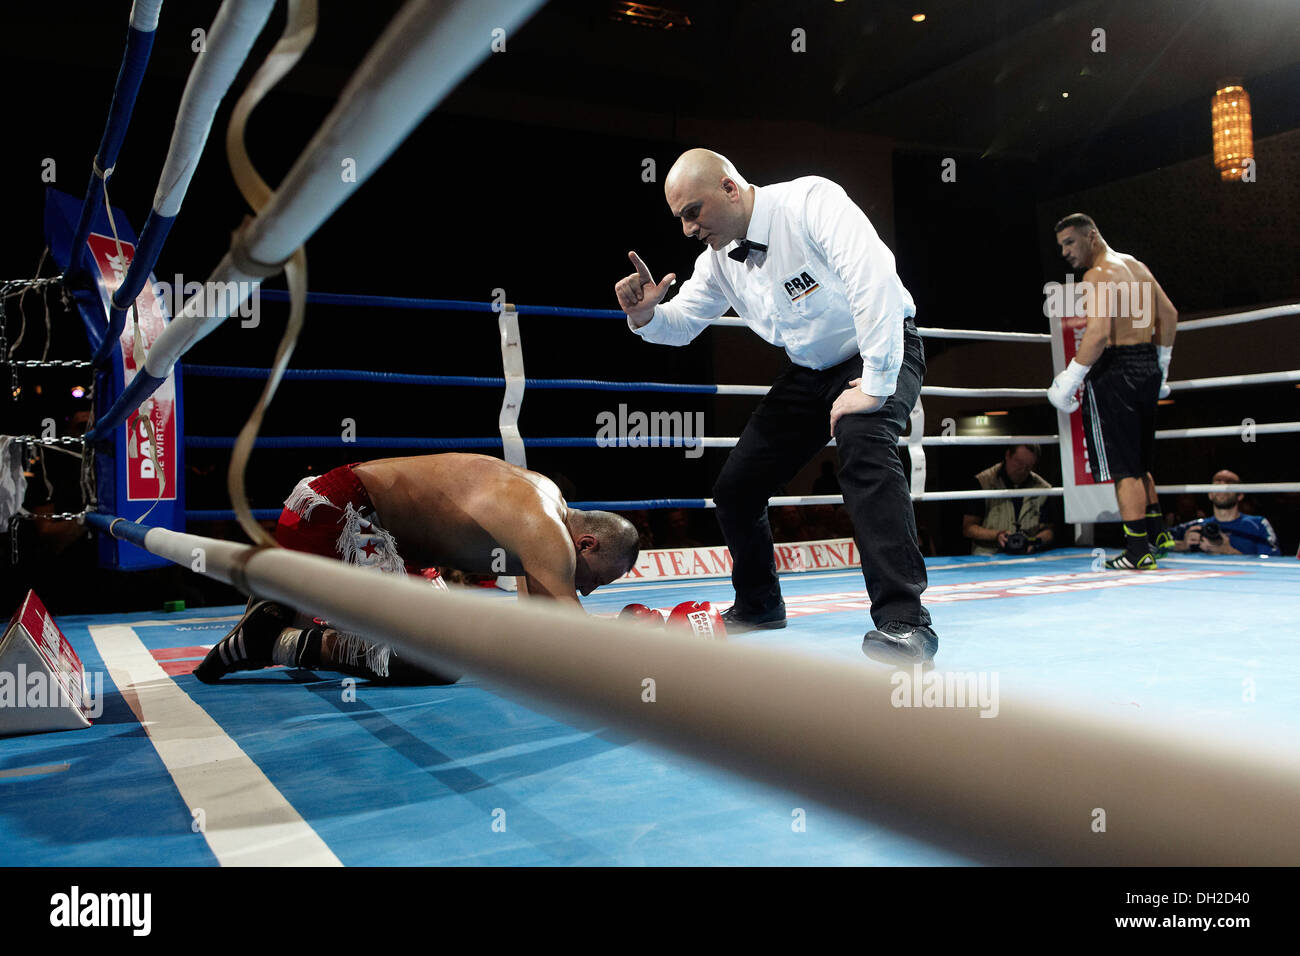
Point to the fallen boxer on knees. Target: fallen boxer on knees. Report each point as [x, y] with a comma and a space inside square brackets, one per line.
[471, 512]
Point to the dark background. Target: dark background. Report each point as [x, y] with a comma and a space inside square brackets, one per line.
[529, 179]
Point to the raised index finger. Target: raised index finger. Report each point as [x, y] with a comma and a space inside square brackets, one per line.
[641, 268]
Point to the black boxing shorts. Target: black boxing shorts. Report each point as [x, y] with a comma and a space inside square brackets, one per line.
[1119, 411]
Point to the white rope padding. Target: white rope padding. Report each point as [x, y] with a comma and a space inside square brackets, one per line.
[421, 56]
[423, 53]
[230, 37]
[299, 29]
[987, 440]
[144, 15]
[955, 392]
[1244, 487]
[1228, 381]
[1188, 325]
[1277, 311]
[512, 400]
[1224, 431]
[781, 501]
[1022, 787]
[742, 389]
[932, 333]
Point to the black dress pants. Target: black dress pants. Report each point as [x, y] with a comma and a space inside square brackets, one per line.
[789, 427]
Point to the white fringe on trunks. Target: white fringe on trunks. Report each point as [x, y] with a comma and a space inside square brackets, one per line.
[363, 543]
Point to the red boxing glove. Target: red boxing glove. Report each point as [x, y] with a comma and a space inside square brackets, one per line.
[700, 619]
[642, 615]
[434, 577]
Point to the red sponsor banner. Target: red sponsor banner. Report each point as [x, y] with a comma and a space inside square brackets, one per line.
[1086, 501]
[668, 564]
[1071, 337]
[141, 479]
[53, 648]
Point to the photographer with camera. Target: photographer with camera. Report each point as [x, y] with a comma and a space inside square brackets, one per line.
[1011, 525]
[1229, 531]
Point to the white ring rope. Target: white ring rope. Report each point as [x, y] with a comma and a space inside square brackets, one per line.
[421, 56]
[1233, 318]
[1224, 431]
[936, 333]
[1244, 488]
[1189, 325]
[1228, 381]
[299, 29]
[1210, 431]
[1020, 788]
[957, 392]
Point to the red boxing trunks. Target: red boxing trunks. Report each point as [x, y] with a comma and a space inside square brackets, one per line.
[332, 515]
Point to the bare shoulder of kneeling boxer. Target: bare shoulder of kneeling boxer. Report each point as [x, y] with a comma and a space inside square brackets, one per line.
[472, 512]
[486, 516]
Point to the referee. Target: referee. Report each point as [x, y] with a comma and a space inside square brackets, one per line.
[803, 267]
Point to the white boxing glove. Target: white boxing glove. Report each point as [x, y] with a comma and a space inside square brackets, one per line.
[1164, 353]
[1061, 392]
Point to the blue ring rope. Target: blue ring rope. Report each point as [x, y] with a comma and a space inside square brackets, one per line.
[437, 305]
[271, 514]
[466, 381]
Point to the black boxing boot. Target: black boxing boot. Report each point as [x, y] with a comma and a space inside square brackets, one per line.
[249, 644]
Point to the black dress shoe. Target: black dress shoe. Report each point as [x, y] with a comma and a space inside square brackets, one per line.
[897, 642]
[768, 620]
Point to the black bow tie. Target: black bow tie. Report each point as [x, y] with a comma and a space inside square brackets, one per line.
[742, 250]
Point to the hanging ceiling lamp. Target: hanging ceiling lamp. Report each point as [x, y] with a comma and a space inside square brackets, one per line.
[1234, 144]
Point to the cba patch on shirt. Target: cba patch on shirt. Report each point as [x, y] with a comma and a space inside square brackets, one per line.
[801, 285]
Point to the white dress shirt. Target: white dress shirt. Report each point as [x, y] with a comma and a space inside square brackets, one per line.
[824, 289]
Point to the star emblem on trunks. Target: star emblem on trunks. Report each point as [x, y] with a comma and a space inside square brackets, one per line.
[370, 548]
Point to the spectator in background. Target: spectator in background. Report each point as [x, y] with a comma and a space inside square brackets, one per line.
[1229, 531]
[841, 523]
[641, 521]
[1186, 508]
[678, 533]
[787, 523]
[1013, 525]
[826, 483]
[818, 523]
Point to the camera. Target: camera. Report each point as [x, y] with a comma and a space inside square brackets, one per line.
[1017, 543]
[1209, 532]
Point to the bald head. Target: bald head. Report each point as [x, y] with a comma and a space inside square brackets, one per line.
[702, 167]
[713, 201]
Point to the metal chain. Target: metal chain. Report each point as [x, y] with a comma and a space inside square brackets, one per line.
[51, 363]
[12, 287]
[4, 345]
[13, 527]
[57, 440]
